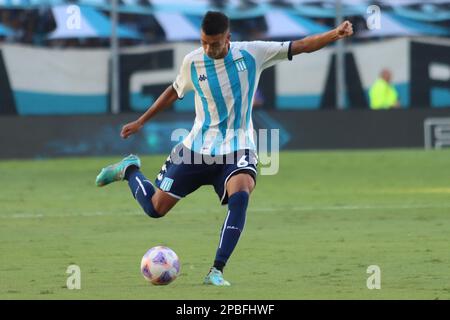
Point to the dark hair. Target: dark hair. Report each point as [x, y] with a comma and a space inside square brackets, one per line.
[215, 22]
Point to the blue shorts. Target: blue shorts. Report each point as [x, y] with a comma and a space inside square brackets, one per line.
[185, 171]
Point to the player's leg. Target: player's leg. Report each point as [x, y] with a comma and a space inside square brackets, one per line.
[234, 188]
[238, 189]
[154, 202]
[241, 182]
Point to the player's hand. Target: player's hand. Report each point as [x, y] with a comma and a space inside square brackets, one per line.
[130, 128]
[345, 29]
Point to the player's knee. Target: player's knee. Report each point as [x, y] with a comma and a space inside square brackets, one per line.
[242, 189]
[160, 208]
[154, 211]
[242, 182]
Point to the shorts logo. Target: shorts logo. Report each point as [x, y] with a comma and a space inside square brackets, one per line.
[166, 184]
[240, 64]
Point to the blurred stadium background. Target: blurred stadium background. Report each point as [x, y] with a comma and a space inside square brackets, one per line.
[68, 59]
[73, 72]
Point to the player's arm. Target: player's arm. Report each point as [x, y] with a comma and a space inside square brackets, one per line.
[318, 41]
[165, 99]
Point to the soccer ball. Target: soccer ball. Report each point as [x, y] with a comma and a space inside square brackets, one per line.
[160, 265]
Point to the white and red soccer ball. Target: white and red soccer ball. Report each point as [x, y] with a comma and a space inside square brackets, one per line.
[160, 265]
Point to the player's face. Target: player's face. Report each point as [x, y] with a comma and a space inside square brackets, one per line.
[216, 46]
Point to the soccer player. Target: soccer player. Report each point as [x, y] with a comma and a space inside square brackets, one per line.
[224, 76]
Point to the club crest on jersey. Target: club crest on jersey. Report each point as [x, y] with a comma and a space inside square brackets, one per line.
[166, 184]
[202, 77]
[240, 64]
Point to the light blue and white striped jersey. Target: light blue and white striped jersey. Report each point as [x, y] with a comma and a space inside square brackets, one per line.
[224, 92]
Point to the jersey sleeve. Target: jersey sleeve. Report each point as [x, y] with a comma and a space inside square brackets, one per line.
[183, 81]
[268, 53]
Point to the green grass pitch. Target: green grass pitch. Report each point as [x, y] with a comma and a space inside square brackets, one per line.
[312, 230]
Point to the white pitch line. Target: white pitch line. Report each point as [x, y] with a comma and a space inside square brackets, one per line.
[310, 208]
[349, 208]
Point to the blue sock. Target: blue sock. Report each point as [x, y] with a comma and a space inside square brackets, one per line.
[142, 190]
[232, 228]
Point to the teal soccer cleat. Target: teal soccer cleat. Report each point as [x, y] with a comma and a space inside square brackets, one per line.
[215, 277]
[116, 172]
